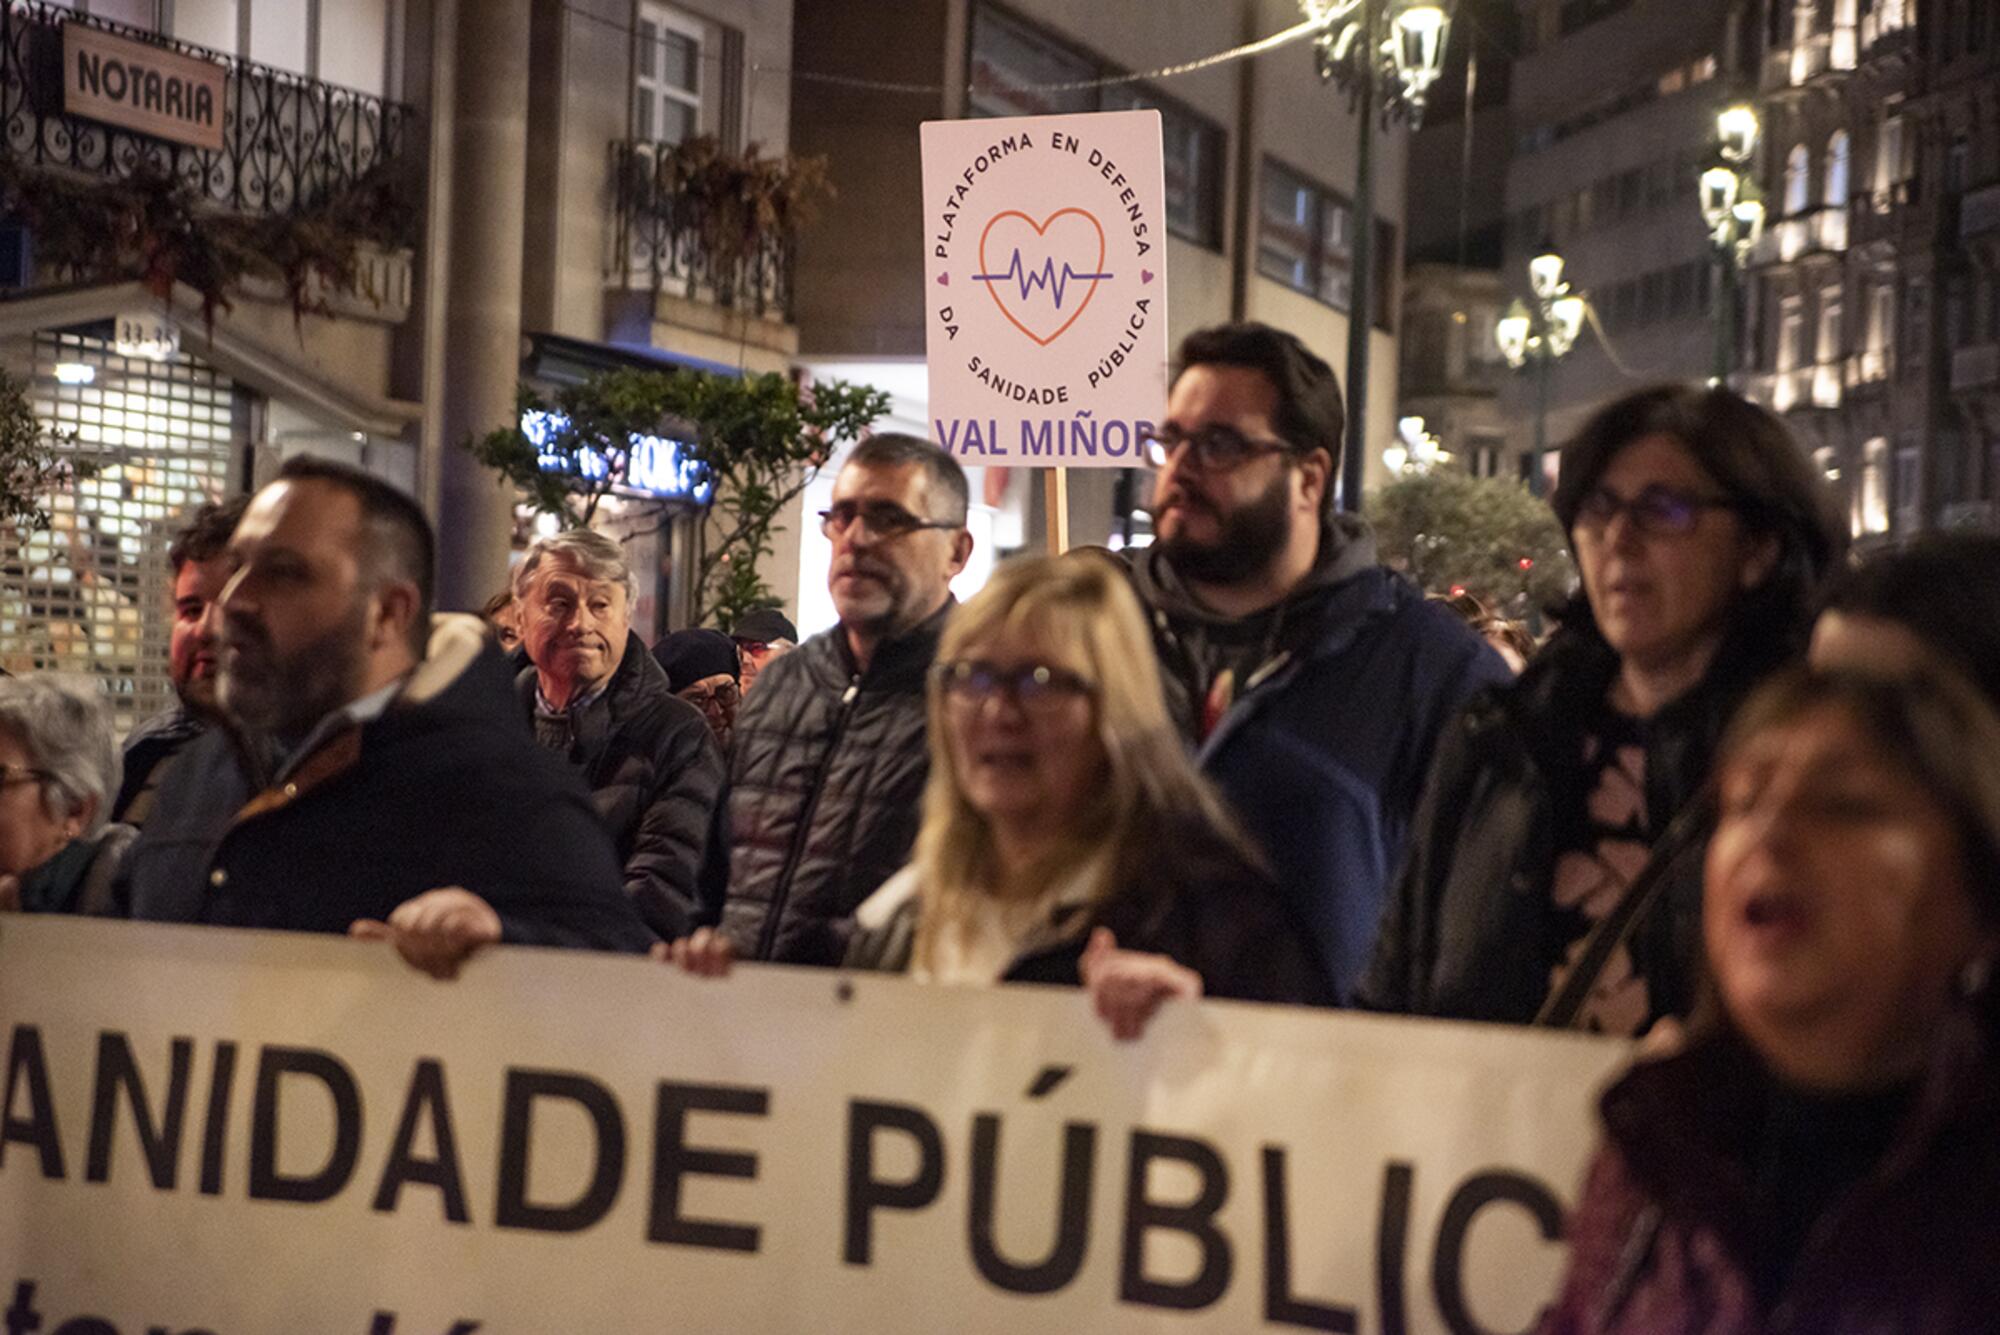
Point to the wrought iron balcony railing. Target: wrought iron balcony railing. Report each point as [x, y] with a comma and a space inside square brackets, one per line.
[288, 142]
[668, 239]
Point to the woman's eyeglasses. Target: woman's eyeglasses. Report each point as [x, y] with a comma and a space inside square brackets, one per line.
[1036, 687]
[1213, 449]
[1656, 511]
[884, 519]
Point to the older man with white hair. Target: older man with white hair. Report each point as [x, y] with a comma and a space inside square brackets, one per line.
[58, 770]
[597, 697]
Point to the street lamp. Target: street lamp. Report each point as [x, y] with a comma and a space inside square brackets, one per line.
[1416, 450]
[1542, 334]
[1732, 208]
[1386, 54]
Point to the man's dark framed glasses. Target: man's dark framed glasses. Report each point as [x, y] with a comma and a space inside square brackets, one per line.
[1657, 511]
[884, 519]
[1035, 687]
[1213, 449]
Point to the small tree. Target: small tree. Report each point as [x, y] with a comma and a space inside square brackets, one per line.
[1489, 536]
[32, 465]
[756, 441]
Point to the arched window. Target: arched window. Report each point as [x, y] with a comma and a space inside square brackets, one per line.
[1837, 155]
[1798, 180]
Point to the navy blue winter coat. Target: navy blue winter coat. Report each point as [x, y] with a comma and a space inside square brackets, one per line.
[1347, 687]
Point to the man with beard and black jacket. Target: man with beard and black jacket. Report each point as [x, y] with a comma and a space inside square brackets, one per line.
[376, 777]
[200, 559]
[829, 760]
[597, 697]
[1313, 682]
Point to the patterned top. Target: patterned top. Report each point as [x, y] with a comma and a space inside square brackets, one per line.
[1598, 852]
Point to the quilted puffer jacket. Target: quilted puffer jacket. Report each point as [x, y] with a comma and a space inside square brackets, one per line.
[826, 780]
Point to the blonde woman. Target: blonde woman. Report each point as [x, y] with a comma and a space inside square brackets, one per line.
[1066, 836]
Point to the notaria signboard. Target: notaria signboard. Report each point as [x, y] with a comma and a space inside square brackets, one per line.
[239, 1133]
[1045, 272]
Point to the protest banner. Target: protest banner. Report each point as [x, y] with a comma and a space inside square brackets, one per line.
[242, 1133]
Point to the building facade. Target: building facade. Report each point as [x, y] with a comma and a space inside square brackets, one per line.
[1876, 317]
[1613, 108]
[1259, 173]
[165, 390]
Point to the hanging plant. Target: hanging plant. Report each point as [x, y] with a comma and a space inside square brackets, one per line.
[735, 204]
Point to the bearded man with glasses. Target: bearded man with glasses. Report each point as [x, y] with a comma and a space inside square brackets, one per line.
[1313, 682]
[830, 756]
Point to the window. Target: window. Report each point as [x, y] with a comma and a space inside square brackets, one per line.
[1871, 498]
[1011, 65]
[1827, 348]
[1837, 155]
[1194, 152]
[1288, 221]
[1889, 169]
[1305, 240]
[666, 81]
[1009, 61]
[209, 23]
[1484, 450]
[1908, 491]
[1956, 159]
[1798, 180]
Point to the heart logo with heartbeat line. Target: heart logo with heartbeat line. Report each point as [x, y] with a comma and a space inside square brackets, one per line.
[1032, 271]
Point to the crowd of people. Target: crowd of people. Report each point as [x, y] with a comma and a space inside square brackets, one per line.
[1743, 801]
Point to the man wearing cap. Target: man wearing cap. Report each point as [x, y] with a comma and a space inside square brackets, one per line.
[762, 636]
[701, 668]
[595, 696]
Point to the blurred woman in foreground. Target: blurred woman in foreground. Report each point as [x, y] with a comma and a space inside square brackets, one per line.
[1823, 1155]
[1067, 837]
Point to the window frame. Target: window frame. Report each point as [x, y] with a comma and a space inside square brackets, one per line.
[684, 24]
[1207, 128]
[1384, 279]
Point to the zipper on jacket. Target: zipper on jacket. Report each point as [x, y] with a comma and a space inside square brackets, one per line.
[768, 938]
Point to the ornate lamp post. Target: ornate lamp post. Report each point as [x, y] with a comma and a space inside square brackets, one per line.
[1542, 334]
[1733, 209]
[1386, 54]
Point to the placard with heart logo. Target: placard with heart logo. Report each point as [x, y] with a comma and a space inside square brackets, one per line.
[1042, 274]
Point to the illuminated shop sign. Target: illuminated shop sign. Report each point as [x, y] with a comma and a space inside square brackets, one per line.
[657, 467]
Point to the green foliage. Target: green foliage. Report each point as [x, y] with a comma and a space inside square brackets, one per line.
[1447, 528]
[31, 462]
[760, 438]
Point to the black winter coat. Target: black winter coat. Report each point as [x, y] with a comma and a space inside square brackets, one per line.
[826, 781]
[1471, 931]
[1206, 909]
[447, 787]
[655, 773]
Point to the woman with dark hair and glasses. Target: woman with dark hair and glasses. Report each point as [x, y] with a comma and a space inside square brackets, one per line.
[1702, 534]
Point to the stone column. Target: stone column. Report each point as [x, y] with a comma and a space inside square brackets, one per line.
[480, 357]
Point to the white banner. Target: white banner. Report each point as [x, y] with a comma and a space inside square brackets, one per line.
[1045, 265]
[245, 1133]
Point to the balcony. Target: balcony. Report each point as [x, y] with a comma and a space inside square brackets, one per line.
[1868, 368]
[1789, 388]
[1826, 385]
[674, 238]
[288, 143]
[1975, 368]
[1979, 213]
[1821, 53]
[1823, 231]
